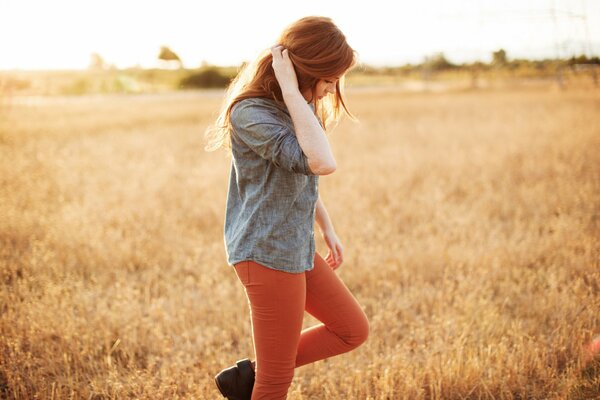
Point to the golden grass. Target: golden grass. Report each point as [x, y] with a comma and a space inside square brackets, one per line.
[471, 224]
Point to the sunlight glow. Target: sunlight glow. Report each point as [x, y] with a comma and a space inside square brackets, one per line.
[62, 34]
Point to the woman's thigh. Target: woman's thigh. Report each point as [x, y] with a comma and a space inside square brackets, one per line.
[277, 300]
[330, 301]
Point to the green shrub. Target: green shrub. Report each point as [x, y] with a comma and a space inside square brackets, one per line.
[208, 78]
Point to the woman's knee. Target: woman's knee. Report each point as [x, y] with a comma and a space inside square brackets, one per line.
[360, 330]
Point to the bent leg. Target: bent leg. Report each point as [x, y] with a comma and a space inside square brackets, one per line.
[276, 300]
[344, 324]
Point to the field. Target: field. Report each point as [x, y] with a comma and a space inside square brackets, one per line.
[470, 221]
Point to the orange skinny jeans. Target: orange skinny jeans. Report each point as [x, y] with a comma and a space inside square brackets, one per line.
[277, 300]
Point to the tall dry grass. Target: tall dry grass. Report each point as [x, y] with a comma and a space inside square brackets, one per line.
[471, 224]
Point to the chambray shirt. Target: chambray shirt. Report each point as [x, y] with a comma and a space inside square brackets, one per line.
[272, 193]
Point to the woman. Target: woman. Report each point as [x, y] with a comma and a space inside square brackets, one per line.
[273, 120]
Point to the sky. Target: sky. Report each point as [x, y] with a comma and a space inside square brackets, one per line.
[62, 34]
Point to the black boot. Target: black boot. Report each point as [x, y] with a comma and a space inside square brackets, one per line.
[236, 383]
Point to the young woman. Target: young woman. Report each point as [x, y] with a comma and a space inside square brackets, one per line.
[273, 120]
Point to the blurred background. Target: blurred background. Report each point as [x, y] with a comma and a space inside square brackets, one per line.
[467, 198]
[71, 47]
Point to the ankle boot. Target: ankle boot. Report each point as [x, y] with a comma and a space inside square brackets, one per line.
[236, 383]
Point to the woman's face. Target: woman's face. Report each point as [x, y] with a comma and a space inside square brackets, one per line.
[323, 87]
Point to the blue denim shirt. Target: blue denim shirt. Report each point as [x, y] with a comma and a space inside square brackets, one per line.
[272, 194]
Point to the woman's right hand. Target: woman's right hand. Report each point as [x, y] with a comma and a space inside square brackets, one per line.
[284, 69]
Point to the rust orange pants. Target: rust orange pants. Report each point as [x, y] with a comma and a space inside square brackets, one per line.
[277, 301]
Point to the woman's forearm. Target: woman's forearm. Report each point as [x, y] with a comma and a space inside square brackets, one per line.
[322, 217]
[310, 134]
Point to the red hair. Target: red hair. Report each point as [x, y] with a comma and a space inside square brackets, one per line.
[318, 50]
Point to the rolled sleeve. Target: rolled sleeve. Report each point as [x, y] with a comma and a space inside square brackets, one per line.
[259, 128]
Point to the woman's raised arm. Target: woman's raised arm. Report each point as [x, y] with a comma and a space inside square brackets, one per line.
[310, 134]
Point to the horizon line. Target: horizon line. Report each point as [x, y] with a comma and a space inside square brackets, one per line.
[208, 65]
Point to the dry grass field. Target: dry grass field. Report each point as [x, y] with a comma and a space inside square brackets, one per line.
[470, 221]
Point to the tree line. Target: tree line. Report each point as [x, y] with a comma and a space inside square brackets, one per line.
[209, 76]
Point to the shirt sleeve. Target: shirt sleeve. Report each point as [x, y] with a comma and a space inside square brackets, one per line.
[257, 126]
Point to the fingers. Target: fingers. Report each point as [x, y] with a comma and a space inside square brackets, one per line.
[334, 261]
[337, 253]
[279, 50]
[330, 261]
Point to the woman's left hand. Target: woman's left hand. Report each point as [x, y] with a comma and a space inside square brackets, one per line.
[335, 255]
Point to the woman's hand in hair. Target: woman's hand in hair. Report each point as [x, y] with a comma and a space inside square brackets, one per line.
[284, 70]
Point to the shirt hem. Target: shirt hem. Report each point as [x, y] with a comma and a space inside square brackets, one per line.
[268, 264]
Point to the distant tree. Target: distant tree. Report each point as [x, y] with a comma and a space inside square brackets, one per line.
[169, 56]
[499, 58]
[96, 61]
[437, 62]
[583, 59]
[208, 78]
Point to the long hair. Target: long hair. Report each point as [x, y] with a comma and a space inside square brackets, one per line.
[317, 49]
